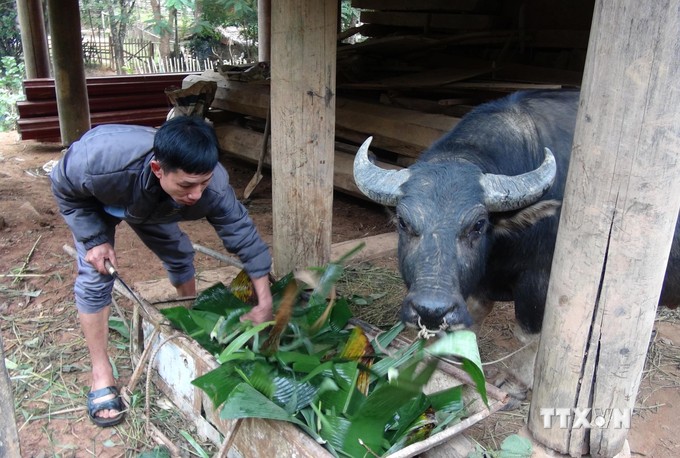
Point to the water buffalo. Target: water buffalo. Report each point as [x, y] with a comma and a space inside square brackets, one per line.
[478, 212]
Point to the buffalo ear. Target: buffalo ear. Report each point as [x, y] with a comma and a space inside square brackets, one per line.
[509, 224]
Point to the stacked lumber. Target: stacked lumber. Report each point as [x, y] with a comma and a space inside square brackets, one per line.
[414, 68]
[136, 99]
[445, 56]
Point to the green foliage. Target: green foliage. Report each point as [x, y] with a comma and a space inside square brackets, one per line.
[330, 380]
[513, 446]
[10, 38]
[239, 13]
[348, 15]
[11, 91]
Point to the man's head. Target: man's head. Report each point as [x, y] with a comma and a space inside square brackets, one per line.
[186, 153]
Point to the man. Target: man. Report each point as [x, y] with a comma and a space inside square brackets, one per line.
[150, 179]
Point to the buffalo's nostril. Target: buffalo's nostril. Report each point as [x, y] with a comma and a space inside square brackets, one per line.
[427, 312]
[433, 312]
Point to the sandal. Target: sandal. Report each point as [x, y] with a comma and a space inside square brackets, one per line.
[114, 403]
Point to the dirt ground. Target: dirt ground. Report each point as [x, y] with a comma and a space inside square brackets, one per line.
[44, 349]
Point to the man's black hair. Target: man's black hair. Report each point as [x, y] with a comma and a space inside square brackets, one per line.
[186, 143]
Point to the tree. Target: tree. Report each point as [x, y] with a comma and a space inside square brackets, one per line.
[10, 38]
[120, 14]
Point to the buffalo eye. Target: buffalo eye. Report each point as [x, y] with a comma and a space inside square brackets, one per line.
[404, 227]
[402, 224]
[478, 228]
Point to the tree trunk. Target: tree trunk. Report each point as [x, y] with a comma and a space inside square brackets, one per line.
[164, 46]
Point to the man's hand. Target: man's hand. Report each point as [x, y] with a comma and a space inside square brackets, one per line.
[263, 310]
[97, 255]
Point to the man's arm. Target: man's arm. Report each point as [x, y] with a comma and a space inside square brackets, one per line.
[76, 202]
[263, 310]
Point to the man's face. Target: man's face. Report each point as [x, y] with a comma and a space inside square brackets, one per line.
[184, 188]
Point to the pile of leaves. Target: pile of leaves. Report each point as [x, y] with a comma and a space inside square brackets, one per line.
[356, 396]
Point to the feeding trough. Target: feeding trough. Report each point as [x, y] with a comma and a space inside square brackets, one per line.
[177, 360]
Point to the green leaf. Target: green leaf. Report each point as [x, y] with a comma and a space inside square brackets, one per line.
[241, 340]
[463, 345]
[182, 319]
[218, 383]
[199, 450]
[158, 452]
[515, 446]
[301, 362]
[218, 299]
[117, 324]
[406, 415]
[400, 357]
[244, 401]
[384, 339]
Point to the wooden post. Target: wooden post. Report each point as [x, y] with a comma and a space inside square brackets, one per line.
[33, 38]
[9, 437]
[69, 69]
[619, 213]
[264, 24]
[303, 133]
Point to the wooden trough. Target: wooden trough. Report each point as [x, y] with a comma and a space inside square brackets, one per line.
[177, 359]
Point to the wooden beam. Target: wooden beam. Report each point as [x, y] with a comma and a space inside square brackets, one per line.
[303, 121]
[69, 70]
[619, 214]
[426, 5]
[9, 437]
[33, 38]
[48, 127]
[432, 21]
[44, 88]
[245, 144]
[402, 131]
[264, 35]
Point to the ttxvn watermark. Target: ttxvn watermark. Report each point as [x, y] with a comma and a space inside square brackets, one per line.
[575, 418]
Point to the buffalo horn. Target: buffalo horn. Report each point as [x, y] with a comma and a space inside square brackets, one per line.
[506, 193]
[378, 184]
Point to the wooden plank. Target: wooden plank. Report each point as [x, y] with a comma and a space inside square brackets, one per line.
[302, 125]
[28, 109]
[47, 92]
[403, 131]
[619, 214]
[390, 125]
[433, 21]
[431, 78]
[245, 144]
[538, 75]
[48, 127]
[168, 77]
[427, 5]
[9, 437]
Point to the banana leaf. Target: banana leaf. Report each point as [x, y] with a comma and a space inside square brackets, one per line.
[218, 383]
[244, 401]
[182, 319]
[332, 382]
[463, 345]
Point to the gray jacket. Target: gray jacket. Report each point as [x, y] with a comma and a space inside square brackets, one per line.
[110, 166]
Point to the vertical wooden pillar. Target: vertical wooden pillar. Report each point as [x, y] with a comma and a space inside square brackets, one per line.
[69, 69]
[9, 437]
[303, 130]
[264, 24]
[619, 213]
[33, 38]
